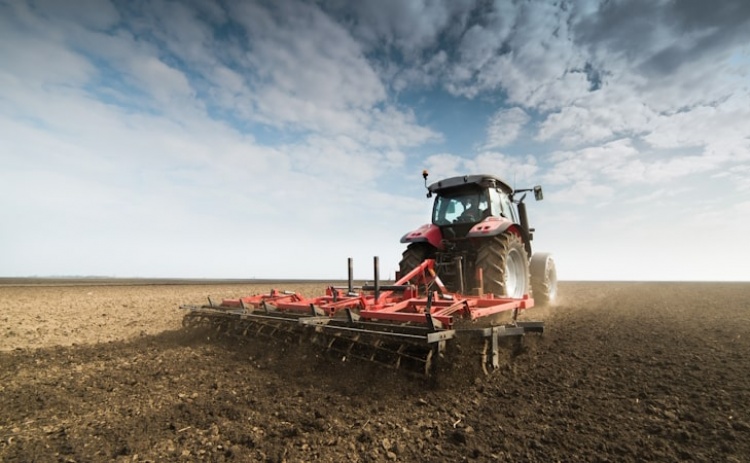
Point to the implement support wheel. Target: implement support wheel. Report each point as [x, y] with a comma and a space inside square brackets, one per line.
[543, 279]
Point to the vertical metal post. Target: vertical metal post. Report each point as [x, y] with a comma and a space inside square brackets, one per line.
[480, 280]
[460, 273]
[350, 287]
[495, 348]
[376, 276]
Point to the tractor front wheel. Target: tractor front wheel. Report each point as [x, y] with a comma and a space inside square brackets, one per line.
[505, 265]
[415, 254]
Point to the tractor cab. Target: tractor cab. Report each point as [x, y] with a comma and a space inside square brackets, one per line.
[460, 207]
[462, 202]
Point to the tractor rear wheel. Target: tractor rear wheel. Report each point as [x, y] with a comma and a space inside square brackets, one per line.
[415, 254]
[543, 279]
[505, 265]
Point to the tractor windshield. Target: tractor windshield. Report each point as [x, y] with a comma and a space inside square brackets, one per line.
[463, 207]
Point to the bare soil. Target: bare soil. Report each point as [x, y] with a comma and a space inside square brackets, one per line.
[626, 372]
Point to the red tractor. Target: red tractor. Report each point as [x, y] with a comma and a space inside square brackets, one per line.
[480, 240]
[471, 264]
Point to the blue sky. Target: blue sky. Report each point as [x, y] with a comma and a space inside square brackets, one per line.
[274, 139]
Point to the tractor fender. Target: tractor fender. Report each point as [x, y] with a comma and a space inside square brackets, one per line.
[490, 226]
[429, 233]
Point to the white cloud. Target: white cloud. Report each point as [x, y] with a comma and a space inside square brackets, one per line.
[163, 82]
[301, 52]
[184, 29]
[409, 27]
[591, 163]
[390, 127]
[516, 170]
[94, 14]
[504, 127]
[703, 125]
[480, 43]
[594, 122]
[444, 165]
[602, 71]
[28, 57]
[583, 192]
[738, 175]
[304, 72]
[620, 163]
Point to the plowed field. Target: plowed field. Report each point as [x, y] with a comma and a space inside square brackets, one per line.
[626, 372]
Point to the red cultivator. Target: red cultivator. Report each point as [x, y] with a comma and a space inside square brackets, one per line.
[406, 325]
[479, 238]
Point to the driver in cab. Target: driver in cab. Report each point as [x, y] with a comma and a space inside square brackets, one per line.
[471, 211]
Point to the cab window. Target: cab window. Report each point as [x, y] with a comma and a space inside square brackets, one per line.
[508, 210]
[501, 205]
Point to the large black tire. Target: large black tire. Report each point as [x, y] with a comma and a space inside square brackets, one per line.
[505, 265]
[543, 279]
[415, 254]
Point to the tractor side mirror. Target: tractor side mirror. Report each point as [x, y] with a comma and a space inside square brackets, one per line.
[538, 195]
[451, 208]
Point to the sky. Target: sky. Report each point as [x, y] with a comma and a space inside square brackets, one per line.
[274, 139]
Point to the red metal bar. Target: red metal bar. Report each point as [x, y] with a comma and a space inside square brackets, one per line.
[256, 301]
[391, 307]
[326, 303]
[424, 273]
[404, 317]
[487, 307]
[464, 305]
[349, 302]
[398, 306]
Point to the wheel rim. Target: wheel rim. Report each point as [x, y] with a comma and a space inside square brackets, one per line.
[552, 278]
[552, 292]
[515, 271]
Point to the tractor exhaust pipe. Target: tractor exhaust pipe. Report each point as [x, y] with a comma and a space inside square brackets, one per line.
[523, 218]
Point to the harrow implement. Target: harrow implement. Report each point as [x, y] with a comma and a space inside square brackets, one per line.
[407, 325]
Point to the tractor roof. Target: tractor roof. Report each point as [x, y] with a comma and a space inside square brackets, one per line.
[482, 180]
